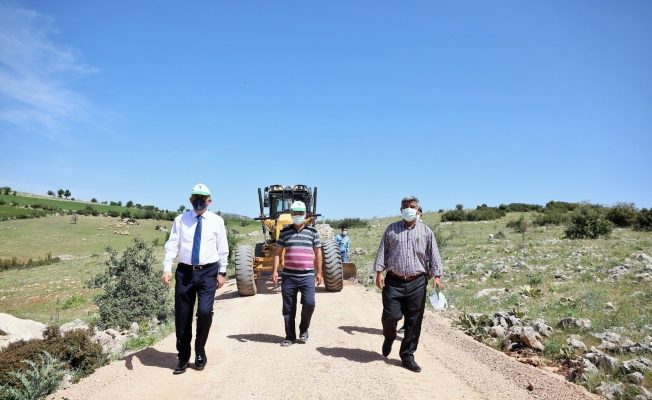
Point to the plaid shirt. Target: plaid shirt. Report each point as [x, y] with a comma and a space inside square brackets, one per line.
[404, 250]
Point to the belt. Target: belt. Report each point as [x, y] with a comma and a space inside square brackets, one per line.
[404, 278]
[198, 267]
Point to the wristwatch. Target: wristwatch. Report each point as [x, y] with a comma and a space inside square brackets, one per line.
[223, 274]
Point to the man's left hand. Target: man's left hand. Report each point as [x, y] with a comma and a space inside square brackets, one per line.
[220, 281]
[318, 279]
[436, 281]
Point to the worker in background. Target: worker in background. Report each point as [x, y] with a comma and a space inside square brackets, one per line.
[342, 240]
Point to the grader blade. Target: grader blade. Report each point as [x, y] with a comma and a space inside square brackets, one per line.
[350, 270]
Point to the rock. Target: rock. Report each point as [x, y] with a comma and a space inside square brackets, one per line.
[609, 306]
[575, 342]
[325, 231]
[604, 345]
[497, 332]
[531, 339]
[488, 292]
[635, 377]
[588, 369]
[561, 277]
[134, 328]
[644, 257]
[112, 332]
[570, 322]
[608, 363]
[14, 329]
[359, 251]
[647, 268]
[609, 337]
[76, 324]
[643, 277]
[162, 229]
[520, 264]
[610, 390]
[638, 364]
[541, 327]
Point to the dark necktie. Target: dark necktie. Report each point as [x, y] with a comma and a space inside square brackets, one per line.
[196, 242]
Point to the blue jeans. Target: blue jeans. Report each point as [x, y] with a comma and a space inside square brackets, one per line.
[345, 255]
[290, 288]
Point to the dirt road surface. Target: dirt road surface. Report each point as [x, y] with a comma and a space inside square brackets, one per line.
[342, 359]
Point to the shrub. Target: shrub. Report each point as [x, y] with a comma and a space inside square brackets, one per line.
[588, 222]
[622, 214]
[2, 202]
[42, 379]
[231, 239]
[454, 215]
[552, 218]
[114, 213]
[559, 206]
[132, 290]
[75, 349]
[93, 200]
[74, 301]
[519, 225]
[481, 213]
[347, 223]
[643, 220]
[520, 207]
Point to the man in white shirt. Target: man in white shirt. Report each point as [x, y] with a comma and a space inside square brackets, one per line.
[198, 241]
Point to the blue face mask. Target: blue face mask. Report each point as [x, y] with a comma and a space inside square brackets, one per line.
[199, 204]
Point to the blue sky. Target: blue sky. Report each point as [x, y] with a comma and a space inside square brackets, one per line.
[455, 102]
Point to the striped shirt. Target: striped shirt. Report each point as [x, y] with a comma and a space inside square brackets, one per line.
[405, 250]
[299, 249]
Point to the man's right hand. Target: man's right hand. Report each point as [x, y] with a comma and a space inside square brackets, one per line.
[275, 277]
[167, 275]
[380, 280]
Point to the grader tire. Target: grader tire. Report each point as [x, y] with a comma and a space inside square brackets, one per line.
[244, 270]
[333, 275]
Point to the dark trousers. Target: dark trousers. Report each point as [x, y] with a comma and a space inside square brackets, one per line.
[404, 298]
[290, 287]
[190, 285]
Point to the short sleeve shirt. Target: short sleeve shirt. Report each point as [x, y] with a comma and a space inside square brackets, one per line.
[299, 253]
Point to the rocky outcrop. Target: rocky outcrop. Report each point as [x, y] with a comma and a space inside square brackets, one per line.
[13, 329]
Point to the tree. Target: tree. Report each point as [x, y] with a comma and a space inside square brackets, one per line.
[5, 190]
[130, 204]
[50, 193]
[93, 200]
[60, 192]
[459, 207]
[132, 288]
[67, 193]
[181, 208]
[119, 204]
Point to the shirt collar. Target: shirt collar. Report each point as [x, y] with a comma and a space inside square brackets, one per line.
[409, 228]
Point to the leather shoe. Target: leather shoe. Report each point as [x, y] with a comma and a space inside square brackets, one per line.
[181, 367]
[412, 366]
[387, 348]
[200, 361]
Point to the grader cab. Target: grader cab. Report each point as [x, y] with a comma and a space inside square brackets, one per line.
[252, 261]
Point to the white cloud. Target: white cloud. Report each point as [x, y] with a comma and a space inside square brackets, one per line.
[35, 75]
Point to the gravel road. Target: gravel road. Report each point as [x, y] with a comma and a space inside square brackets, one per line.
[342, 360]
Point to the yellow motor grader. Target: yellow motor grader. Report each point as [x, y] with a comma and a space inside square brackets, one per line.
[252, 261]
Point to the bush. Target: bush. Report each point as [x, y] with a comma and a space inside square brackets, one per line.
[520, 207]
[75, 349]
[519, 225]
[74, 301]
[588, 222]
[559, 206]
[622, 214]
[552, 218]
[347, 223]
[114, 214]
[231, 239]
[643, 221]
[481, 213]
[132, 288]
[40, 380]
[93, 200]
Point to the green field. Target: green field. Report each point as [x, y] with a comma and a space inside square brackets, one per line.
[41, 293]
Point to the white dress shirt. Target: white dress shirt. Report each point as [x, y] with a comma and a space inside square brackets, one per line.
[213, 247]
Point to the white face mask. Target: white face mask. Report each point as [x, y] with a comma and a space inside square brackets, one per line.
[298, 219]
[344, 233]
[409, 214]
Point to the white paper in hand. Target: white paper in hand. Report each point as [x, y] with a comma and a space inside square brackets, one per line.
[438, 301]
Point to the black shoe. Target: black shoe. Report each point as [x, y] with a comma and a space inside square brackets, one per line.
[200, 361]
[387, 347]
[401, 331]
[412, 366]
[181, 367]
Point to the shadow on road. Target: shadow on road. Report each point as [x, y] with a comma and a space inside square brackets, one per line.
[371, 331]
[357, 355]
[226, 296]
[257, 337]
[152, 358]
